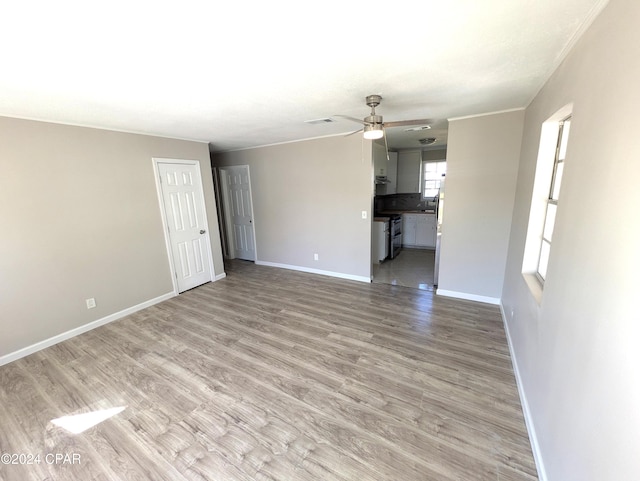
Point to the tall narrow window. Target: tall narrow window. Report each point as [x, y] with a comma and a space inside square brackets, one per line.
[552, 201]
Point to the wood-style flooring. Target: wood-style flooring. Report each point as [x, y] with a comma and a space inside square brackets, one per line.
[272, 374]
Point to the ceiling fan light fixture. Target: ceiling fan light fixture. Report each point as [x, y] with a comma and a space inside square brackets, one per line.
[372, 132]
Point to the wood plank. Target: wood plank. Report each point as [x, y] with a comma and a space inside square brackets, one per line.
[271, 374]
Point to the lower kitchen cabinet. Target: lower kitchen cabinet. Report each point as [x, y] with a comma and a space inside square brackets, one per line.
[419, 230]
[409, 224]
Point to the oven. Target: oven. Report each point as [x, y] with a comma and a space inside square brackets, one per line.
[395, 235]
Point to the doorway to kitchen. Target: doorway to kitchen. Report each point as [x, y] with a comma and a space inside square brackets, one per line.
[412, 268]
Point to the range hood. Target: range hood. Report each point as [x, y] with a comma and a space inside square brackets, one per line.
[382, 179]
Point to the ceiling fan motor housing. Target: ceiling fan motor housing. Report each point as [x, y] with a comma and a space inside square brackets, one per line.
[373, 100]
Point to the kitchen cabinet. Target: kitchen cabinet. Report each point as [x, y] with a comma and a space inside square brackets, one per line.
[385, 166]
[426, 231]
[392, 173]
[379, 159]
[419, 230]
[409, 167]
[409, 228]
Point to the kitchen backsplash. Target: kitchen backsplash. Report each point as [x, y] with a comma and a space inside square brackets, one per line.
[403, 202]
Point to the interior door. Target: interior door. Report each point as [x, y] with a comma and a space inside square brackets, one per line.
[241, 212]
[183, 200]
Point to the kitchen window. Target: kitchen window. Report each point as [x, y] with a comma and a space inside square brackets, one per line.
[432, 175]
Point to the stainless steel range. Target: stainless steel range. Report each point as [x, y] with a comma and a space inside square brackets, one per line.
[395, 235]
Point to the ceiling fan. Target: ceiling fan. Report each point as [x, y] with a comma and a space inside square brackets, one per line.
[373, 123]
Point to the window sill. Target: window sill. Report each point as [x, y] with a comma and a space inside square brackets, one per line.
[535, 286]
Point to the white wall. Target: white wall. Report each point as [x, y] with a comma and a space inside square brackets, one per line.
[482, 165]
[81, 219]
[308, 198]
[578, 352]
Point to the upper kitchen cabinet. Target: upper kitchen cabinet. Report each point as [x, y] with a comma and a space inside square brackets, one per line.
[409, 165]
[392, 173]
[384, 165]
[379, 159]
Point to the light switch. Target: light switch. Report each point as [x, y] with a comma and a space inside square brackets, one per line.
[364, 214]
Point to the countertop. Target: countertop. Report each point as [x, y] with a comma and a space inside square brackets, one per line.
[400, 212]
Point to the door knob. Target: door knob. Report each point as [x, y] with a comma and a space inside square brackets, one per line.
[202, 231]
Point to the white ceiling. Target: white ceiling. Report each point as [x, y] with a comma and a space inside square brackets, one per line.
[249, 73]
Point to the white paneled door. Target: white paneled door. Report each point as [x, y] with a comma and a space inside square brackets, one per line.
[183, 200]
[239, 198]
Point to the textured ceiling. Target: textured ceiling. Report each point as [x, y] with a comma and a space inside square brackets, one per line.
[245, 74]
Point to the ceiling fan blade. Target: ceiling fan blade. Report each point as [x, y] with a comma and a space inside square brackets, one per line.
[353, 119]
[351, 133]
[402, 123]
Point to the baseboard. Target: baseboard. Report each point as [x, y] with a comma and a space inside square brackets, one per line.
[220, 276]
[315, 271]
[528, 419]
[468, 297]
[79, 330]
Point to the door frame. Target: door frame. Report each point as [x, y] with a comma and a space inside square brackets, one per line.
[165, 225]
[228, 219]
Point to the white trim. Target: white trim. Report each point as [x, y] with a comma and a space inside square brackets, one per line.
[98, 127]
[220, 276]
[165, 227]
[596, 9]
[253, 213]
[468, 297]
[25, 351]
[228, 222]
[528, 418]
[341, 134]
[464, 117]
[217, 191]
[196, 163]
[315, 271]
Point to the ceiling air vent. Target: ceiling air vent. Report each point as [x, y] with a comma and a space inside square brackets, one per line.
[428, 141]
[418, 129]
[326, 120]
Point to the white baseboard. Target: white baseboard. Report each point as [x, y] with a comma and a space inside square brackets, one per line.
[528, 419]
[220, 276]
[315, 271]
[25, 351]
[468, 297]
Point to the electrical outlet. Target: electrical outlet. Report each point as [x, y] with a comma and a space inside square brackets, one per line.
[91, 303]
[315, 257]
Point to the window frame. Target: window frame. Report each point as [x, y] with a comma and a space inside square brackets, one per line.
[423, 177]
[552, 198]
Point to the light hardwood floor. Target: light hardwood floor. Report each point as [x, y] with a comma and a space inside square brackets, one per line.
[277, 375]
